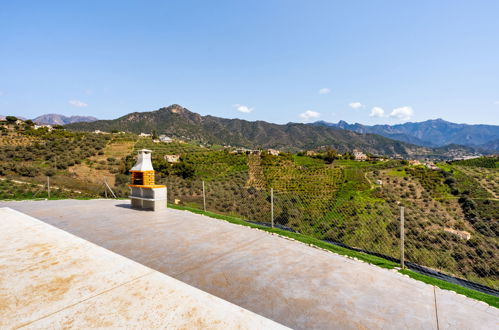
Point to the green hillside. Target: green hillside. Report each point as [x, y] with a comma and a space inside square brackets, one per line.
[179, 122]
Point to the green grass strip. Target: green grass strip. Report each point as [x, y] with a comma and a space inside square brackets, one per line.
[57, 198]
[489, 299]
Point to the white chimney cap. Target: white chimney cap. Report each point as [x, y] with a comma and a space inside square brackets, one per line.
[143, 161]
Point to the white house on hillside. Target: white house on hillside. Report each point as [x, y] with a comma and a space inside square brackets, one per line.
[172, 158]
[49, 127]
[273, 152]
[164, 138]
[432, 166]
[359, 155]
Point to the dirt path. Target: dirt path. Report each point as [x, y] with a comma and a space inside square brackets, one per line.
[116, 150]
[488, 190]
[472, 174]
[255, 171]
[40, 185]
[373, 186]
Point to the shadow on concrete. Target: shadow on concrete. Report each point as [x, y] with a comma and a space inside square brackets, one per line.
[125, 206]
[129, 206]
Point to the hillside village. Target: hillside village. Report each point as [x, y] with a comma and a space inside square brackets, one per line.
[13, 124]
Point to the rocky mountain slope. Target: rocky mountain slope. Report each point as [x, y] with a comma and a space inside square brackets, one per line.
[56, 119]
[179, 122]
[430, 133]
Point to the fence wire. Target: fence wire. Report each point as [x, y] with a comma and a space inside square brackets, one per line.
[56, 187]
[356, 220]
[341, 205]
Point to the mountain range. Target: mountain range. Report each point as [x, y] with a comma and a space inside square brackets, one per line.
[178, 121]
[430, 133]
[56, 119]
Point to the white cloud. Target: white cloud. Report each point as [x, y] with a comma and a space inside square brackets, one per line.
[309, 114]
[77, 103]
[496, 102]
[324, 90]
[402, 113]
[243, 108]
[377, 112]
[355, 105]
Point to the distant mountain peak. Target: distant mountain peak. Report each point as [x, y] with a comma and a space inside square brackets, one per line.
[174, 108]
[178, 121]
[57, 119]
[439, 121]
[431, 133]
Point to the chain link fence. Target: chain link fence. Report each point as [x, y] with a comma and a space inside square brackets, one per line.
[56, 187]
[341, 206]
[319, 215]
[353, 219]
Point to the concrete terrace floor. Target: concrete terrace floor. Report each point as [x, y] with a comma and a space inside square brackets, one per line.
[283, 280]
[51, 279]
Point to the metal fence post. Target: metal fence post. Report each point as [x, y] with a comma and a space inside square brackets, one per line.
[111, 190]
[48, 187]
[204, 198]
[402, 238]
[272, 206]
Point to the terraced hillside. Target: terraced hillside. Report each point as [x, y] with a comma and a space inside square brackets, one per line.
[73, 161]
[486, 177]
[451, 220]
[441, 234]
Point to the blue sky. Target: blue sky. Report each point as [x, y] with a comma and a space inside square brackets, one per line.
[279, 61]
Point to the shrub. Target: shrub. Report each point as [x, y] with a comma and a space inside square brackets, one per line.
[50, 172]
[11, 119]
[28, 171]
[122, 179]
[450, 181]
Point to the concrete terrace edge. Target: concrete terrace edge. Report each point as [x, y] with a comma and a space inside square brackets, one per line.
[92, 304]
[396, 270]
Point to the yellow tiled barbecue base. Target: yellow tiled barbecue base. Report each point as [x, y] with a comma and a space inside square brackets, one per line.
[147, 177]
